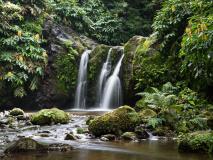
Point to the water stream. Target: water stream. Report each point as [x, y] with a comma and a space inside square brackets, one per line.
[112, 95]
[105, 71]
[87, 148]
[81, 90]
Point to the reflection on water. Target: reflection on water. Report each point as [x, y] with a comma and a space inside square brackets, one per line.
[119, 150]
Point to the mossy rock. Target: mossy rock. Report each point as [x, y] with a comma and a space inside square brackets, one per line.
[199, 142]
[110, 137]
[89, 119]
[129, 136]
[122, 119]
[48, 116]
[16, 112]
[140, 105]
[146, 114]
[210, 122]
[26, 145]
[183, 129]
[158, 132]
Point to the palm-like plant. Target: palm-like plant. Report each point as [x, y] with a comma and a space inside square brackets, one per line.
[158, 99]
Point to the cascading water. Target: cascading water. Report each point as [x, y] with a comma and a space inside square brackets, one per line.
[103, 77]
[81, 90]
[112, 96]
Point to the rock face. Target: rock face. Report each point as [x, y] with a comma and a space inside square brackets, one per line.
[49, 116]
[53, 90]
[119, 120]
[26, 145]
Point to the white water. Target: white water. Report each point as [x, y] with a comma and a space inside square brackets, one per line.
[112, 96]
[103, 77]
[81, 90]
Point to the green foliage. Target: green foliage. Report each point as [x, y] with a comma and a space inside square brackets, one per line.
[195, 18]
[199, 142]
[155, 122]
[67, 68]
[21, 57]
[158, 99]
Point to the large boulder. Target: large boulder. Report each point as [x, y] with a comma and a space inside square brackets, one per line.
[122, 119]
[26, 145]
[199, 142]
[145, 115]
[49, 116]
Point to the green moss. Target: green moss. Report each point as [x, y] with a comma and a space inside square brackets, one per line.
[89, 119]
[47, 116]
[210, 122]
[129, 136]
[147, 113]
[159, 132]
[140, 105]
[119, 120]
[80, 130]
[183, 129]
[16, 112]
[199, 142]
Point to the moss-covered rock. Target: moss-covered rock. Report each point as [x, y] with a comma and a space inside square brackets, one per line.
[145, 115]
[158, 132]
[48, 116]
[199, 142]
[121, 119]
[26, 145]
[16, 112]
[140, 105]
[183, 129]
[110, 137]
[89, 119]
[70, 137]
[141, 132]
[129, 136]
[210, 122]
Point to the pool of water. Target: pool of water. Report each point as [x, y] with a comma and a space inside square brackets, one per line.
[94, 149]
[118, 150]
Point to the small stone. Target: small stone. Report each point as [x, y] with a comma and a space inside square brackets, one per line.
[22, 117]
[70, 137]
[110, 137]
[4, 120]
[104, 139]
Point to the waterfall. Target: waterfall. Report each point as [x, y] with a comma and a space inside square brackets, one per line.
[112, 96]
[81, 90]
[105, 71]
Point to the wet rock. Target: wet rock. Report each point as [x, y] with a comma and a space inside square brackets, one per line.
[45, 135]
[70, 137]
[141, 132]
[121, 119]
[129, 136]
[30, 128]
[2, 156]
[158, 132]
[104, 139]
[26, 145]
[59, 147]
[4, 120]
[44, 132]
[28, 123]
[78, 137]
[16, 112]
[110, 137]
[22, 117]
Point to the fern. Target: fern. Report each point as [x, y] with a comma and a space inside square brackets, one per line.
[198, 123]
[19, 92]
[155, 122]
